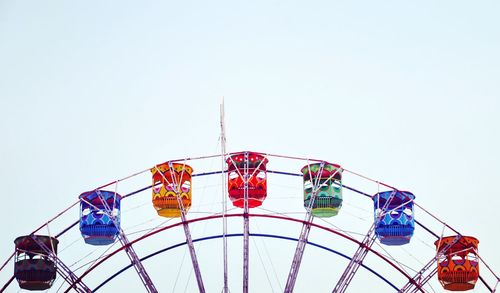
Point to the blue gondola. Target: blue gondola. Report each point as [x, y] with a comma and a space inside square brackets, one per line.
[396, 227]
[96, 223]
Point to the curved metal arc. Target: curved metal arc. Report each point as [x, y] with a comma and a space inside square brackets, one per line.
[240, 235]
[240, 215]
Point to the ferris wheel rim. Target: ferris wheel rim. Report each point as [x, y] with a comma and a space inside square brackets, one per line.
[376, 273]
[147, 235]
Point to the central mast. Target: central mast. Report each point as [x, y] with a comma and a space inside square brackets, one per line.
[224, 192]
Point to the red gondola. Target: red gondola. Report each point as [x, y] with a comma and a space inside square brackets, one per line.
[254, 165]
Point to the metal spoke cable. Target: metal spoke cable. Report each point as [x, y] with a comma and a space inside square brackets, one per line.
[262, 263]
[82, 259]
[137, 207]
[355, 216]
[76, 240]
[412, 256]
[198, 247]
[180, 269]
[149, 221]
[337, 228]
[92, 262]
[177, 189]
[270, 260]
[401, 265]
[163, 222]
[287, 214]
[426, 244]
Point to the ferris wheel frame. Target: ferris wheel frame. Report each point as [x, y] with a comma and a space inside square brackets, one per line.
[413, 281]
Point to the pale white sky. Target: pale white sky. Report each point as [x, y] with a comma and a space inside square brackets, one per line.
[404, 92]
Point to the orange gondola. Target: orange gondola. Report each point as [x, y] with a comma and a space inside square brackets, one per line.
[458, 269]
[167, 184]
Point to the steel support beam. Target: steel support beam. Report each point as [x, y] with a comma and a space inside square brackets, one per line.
[64, 271]
[426, 273]
[129, 249]
[361, 252]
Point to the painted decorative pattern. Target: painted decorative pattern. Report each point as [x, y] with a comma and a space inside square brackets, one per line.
[164, 193]
[458, 270]
[397, 226]
[96, 225]
[257, 182]
[33, 269]
[328, 200]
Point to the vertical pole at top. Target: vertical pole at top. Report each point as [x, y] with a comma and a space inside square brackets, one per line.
[224, 193]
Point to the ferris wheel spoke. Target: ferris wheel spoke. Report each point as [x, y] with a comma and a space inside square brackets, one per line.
[136, 262]
[189, 240]
[426, 273]
[362, 251]
[306, 226]
[247, 189]
[129, 250]
[66, 273]
[356, 261]
[246, 224]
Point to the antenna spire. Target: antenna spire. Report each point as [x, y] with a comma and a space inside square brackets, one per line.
[224, 192]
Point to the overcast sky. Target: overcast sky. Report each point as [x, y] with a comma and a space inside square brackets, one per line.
[404, 92]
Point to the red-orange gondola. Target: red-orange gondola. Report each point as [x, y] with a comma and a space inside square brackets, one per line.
[458, 269]
[257, 178]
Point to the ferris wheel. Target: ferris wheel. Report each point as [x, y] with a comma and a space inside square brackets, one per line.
[317, 252]
[287, 203]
